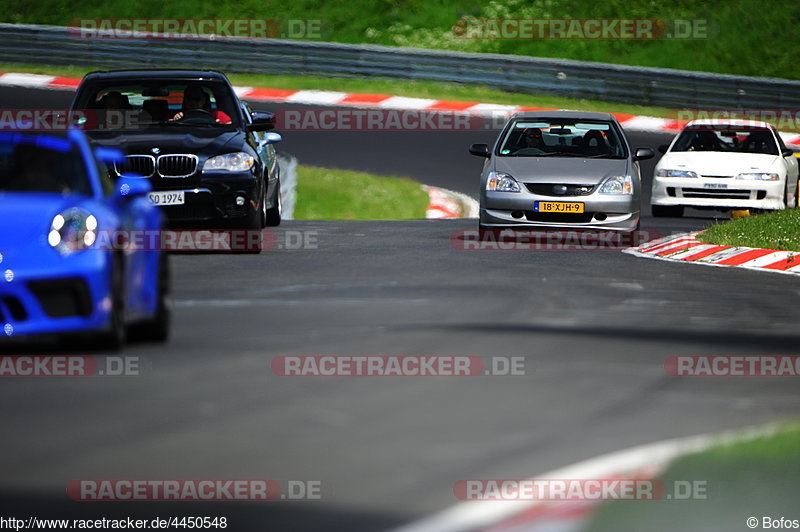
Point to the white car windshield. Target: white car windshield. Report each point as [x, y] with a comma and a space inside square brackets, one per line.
[724, 139]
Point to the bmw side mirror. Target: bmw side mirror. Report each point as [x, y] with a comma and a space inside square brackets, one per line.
[787, 152]
[132, 187]
[643, 153]
[262, 121]
[481, 150]
[272, 138]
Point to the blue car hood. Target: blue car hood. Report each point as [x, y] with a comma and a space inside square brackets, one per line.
[27, 217]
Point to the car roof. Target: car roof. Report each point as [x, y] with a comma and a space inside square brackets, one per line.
[726, 122]
[570, 115]
[140, 74]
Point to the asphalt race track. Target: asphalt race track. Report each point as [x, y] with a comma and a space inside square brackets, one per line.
[594, 328]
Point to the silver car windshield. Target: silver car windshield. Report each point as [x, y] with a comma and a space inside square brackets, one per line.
[563, 138]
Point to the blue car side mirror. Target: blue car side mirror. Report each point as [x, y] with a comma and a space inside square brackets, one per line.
[132, 187]
[109, 155]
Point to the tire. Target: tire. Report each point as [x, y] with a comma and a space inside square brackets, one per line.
[273, 216]
[793, 204]
[157, 328]
[254, 223]
[114, 338]
[667, 211]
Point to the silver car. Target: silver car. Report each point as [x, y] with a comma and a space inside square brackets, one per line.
[561, 169]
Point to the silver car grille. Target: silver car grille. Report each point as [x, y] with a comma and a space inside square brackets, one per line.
[177, 165]
[559, 189]
[136, 165]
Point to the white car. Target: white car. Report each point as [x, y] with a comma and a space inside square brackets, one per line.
[724, 165]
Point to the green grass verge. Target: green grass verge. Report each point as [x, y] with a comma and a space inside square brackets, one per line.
[416, 89]
[328, 194]
[760, 477]
[775, 230]
[743, 37]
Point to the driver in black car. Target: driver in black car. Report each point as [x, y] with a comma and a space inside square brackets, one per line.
[193, 99]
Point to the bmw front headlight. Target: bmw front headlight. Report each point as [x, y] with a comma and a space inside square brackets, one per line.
[72, 230]
[759, 176]
[619, 184]
[666, 172]
[230, 162]
[500, 182]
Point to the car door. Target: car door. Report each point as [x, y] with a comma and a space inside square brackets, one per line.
[791, 164]
[139, 223]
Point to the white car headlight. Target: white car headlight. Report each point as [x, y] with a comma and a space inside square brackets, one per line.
[759, 176]
[230, 162]
[666, 172]
[72, 230]
[500, 182]
[619, 184]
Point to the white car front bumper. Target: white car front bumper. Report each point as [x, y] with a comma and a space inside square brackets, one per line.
[721, 193]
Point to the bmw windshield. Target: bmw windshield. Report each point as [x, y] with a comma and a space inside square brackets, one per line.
[160, 103]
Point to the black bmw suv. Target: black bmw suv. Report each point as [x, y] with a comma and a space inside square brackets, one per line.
[210, 158]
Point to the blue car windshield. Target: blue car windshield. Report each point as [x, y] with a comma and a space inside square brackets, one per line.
[32, 167]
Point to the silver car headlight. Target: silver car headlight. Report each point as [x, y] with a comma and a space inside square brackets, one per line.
[666, 172]
[618, 184]
[759, 176]
[72, 230]
[500, 182]
[230, 162]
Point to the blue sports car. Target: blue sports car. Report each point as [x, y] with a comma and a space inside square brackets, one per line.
[66, 263]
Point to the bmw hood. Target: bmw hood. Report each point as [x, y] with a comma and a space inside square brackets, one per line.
[566, 170]
[173, 139]
[719, 164]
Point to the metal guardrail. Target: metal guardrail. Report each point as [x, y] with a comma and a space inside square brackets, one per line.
[646, 86]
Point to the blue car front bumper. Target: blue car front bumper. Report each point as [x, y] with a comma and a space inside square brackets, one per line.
[42, 292]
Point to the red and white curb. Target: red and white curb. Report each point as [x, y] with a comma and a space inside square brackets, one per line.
[443, 203]
[380, 101]
[641, 462]
[686, 247]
